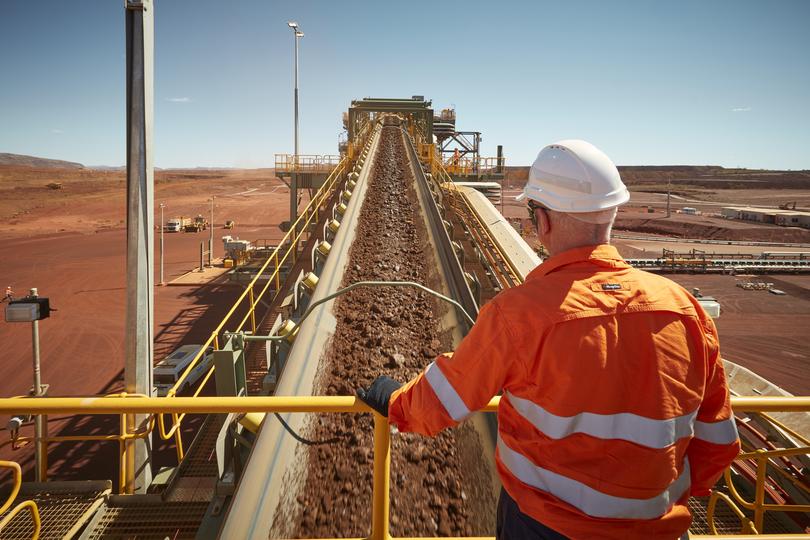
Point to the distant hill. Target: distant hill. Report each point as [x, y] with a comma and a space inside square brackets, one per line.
[19, 160]
[709, 176]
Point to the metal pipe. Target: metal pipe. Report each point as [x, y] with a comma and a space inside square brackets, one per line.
[351, 287]
[39, 451]
[295, 38]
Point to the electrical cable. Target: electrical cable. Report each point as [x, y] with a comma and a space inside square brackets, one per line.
[332, 296]
[351, 287]
[301, 439]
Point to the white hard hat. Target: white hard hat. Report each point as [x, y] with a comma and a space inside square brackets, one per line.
[574, 176]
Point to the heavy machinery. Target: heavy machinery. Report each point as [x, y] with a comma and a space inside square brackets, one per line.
[178, 224]
[197, 224]
[385, 267]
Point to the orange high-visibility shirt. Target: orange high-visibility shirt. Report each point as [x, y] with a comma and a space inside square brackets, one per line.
[615, 406]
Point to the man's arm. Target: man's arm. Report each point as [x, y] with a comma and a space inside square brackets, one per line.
[456, 384]
[716, 443]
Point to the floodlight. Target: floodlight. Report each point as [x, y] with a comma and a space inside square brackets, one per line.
[299, 34]
[22, 313]
[292, 24]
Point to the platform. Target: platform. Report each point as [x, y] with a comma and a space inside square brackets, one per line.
[208, 275]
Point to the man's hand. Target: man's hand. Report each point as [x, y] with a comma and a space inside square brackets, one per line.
[378, 394]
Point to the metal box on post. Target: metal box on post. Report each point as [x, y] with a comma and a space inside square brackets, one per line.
[229, 369]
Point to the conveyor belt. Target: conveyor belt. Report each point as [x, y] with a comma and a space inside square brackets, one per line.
[268, 498]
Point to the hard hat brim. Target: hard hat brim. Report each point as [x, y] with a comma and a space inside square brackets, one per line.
[575, 205]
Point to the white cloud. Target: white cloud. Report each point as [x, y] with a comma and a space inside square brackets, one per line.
[183, 99]
[741, 109]
[57, 131]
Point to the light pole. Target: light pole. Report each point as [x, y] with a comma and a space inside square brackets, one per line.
[297, 33]
[162, 226]
[32, 309]
[211, 238]
[39, 424]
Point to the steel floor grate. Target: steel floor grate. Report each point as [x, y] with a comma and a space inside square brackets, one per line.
[201, 460]
[727, 521]
[150, 521]
[60, 512]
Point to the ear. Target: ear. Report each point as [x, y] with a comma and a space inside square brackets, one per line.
[543, 221]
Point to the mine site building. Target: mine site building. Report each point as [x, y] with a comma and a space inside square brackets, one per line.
[784, 218]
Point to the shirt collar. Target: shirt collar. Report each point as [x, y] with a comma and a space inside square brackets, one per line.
[600, 254]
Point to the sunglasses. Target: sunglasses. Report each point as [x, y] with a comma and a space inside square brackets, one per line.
[532, 207]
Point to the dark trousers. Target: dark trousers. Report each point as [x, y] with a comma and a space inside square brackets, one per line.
[512, 524]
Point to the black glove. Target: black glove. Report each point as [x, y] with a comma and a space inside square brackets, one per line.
[378, 394]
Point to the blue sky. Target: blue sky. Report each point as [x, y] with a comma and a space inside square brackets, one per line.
[720, 82]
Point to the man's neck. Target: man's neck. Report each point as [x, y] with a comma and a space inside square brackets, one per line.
[565, 246]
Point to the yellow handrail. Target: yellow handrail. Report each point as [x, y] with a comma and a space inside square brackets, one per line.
[305, 163]
[122, 438]
[289, 243]
[30, 505]
[758, 505]
[323, 404]
[455, 193]
[338, 404]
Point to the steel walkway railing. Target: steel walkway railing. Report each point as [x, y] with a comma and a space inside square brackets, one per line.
[125, 406]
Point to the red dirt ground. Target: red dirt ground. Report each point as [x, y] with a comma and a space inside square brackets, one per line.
[82, 270]
[762, 331]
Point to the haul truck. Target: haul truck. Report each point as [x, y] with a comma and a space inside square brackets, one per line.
[178, 224]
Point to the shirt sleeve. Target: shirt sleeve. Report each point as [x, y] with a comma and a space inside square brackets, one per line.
[456, 384]
[716, 442]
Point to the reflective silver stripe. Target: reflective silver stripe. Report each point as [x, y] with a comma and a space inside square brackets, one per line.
[585, 498]
[722, 432]
[625, 426]
[452, 402]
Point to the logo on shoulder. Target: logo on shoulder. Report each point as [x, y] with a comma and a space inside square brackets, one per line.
[611, 286]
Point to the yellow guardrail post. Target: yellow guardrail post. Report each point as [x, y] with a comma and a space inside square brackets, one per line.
[123, 457]
[759, 494]
[42, 445]
[381, 492]
[252, 310]
[278, 271]
[178, 438]
[129, 477]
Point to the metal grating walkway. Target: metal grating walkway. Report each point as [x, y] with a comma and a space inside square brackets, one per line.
[64, 507]
[149, 521]
[727, 521]
[201, 460]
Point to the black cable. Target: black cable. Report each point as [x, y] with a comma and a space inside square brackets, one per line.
[302, 440]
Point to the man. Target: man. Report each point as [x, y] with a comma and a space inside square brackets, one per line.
[615, 407]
